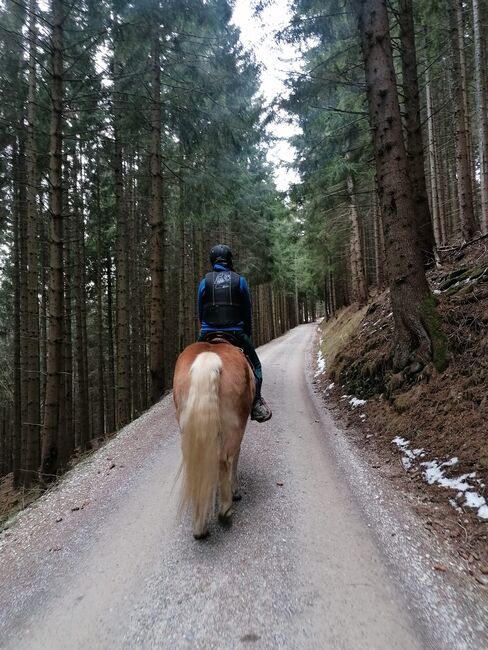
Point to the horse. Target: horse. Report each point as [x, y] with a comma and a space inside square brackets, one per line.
[213, 391]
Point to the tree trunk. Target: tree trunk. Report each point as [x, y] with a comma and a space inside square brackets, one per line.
[417, 329]
[111, 389]
[358, 278]
[17, 357]
[481, 108]
[69, 431]
[415, 147]
[99, 293]
[83, 410]
[31, 425]
[464, 185]
[156, 344]
[49, 460]
[123, 401]
[434, 193]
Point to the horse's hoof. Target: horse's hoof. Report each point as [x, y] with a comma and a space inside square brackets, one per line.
[200, 536]
[225, 518]
[236, 496]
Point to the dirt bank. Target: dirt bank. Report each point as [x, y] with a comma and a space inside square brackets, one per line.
[427, 431]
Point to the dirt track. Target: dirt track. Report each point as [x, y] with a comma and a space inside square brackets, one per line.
[103, 562]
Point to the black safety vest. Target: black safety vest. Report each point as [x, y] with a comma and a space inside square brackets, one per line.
[222, 300]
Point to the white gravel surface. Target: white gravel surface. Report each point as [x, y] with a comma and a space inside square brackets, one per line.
[311, 561]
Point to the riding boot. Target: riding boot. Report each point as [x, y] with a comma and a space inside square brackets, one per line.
[260, 410]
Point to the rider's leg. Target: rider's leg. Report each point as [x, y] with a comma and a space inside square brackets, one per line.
[260, 410]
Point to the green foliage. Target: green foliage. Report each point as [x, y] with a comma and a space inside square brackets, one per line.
[328, 101]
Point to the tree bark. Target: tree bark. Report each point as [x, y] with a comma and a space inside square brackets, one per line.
[464, 183]
[123, 398]
[83, 410]
[32, 423]
[68, 430]
[418, 333]
[434, 192]
[17, 357]
[49, 460]
[111, 388]
[99, 293]
[415, 147]
[156, 344]
[358, 277]
[481, 108]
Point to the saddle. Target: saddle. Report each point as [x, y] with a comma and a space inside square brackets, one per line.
[221, 337]
[226, 337]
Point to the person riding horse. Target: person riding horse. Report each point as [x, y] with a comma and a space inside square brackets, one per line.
[224, 305]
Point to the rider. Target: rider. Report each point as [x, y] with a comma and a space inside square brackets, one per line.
[224, 305]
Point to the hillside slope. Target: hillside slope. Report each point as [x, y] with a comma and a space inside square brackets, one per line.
[433, 426]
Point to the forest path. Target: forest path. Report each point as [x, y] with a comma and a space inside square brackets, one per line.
[102, 561]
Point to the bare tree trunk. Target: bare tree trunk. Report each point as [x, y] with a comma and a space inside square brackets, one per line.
[43, 235]
[31, 426]
[111, 389]
[99, 292]
[49, 457]
[17, 357]
[20, 187]
[156, 345]
[464, 183]
[415, 147]
[69, 430]
[432, 162]
[359, 290]
[416, 321]
[80, 308]
[123, 399]
[481, 108]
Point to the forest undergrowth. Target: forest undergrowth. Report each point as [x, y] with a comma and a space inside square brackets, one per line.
[425, 430]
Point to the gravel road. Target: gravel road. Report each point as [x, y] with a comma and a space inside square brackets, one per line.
[102, 560]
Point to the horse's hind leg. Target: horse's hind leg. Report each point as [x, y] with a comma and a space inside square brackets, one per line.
[236, 493]
[225, 476]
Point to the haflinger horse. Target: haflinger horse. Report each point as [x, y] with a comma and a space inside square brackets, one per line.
[213, 391]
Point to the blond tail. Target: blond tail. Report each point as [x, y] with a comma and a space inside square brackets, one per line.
[200, 427]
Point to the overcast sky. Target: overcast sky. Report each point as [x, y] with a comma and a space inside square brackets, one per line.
[277, 60]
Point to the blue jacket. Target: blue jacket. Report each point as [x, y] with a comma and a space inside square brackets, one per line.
[244, 325]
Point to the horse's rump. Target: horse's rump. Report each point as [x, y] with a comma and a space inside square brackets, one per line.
[213, 390]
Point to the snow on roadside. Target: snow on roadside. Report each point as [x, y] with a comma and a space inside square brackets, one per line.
[320, 363]
[354, 401]
[434, 473]
[409, 455]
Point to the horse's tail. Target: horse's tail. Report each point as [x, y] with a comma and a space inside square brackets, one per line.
[200, 427]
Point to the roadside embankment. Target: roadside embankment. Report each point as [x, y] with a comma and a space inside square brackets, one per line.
[428, 431]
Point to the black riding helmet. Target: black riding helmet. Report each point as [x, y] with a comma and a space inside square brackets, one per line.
[221, 253]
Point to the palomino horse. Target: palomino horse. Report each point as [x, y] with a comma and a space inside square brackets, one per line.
[213, 390]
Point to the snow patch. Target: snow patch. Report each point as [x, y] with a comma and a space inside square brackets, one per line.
[434, 472]
[453, 503]
[355, 401]
[409, 455]
[329, 387]
[320, 363]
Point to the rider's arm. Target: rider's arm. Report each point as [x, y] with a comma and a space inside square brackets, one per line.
[246, 301]
[201, 289]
